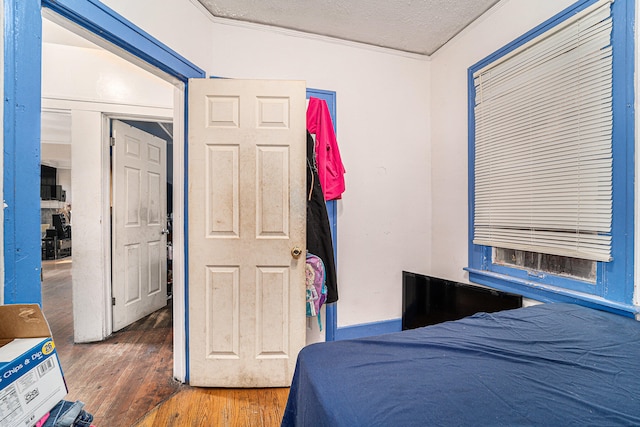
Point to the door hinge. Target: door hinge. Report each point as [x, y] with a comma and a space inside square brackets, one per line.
[112, 141]
[113, 301]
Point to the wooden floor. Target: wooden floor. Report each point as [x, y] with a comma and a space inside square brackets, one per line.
[127, 379]
[220, 407]
[120, 379]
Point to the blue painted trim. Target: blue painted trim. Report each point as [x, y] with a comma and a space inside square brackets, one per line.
[621, 271]
[21, 193]
[106, 23]
[332, 309]
[369, 329]
[615, 280]
[331, 312]
[547, 293]
[331, 326]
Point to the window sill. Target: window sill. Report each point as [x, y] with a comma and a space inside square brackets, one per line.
[547, 293]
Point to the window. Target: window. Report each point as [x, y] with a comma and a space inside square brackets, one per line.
[550, 152]
[576, 268]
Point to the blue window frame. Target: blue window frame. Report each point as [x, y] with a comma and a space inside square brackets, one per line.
[614, 285]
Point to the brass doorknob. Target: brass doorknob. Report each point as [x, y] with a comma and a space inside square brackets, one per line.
[296, 252]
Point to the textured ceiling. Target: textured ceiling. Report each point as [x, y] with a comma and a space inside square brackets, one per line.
[416, 26]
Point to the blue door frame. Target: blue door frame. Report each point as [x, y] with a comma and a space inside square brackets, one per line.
[22, 60]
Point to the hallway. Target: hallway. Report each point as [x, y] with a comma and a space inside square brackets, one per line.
[122, 378]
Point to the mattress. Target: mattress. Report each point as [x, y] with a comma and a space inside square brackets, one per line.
[551, 364]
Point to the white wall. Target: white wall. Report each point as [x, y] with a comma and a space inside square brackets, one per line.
[508, 20]
[95, 75]
[383, 132]
[179, 24]
[89, 264]
[89, 82]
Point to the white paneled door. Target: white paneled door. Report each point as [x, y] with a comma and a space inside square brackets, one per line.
[247, 212]
[139, 241]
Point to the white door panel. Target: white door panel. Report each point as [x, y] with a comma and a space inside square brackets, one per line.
[139, 260]
[247, 210]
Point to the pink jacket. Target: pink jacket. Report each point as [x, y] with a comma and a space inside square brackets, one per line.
[330, 168]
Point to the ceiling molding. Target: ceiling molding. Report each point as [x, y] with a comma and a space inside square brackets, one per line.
[305, 35]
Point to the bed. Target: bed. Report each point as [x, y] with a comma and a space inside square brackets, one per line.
[551, 364]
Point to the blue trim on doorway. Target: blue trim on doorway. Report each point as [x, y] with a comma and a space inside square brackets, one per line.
[22, 62]
[330, 309]
[21, 172]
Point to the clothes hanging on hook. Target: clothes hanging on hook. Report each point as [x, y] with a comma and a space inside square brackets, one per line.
[318, 230]
[330, 168]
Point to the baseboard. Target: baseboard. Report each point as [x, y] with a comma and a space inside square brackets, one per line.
[368, 329]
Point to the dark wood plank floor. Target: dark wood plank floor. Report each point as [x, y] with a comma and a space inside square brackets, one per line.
[127, 379]
[121, 379]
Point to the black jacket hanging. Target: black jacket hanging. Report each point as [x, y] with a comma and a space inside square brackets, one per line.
[318, 231]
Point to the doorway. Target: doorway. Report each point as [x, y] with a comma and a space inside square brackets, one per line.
[79, 148]
[120, 363]
[140, 219]
[21, 140]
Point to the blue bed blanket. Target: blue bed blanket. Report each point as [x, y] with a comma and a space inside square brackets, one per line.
[552, 364]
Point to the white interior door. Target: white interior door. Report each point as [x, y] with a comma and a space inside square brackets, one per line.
[247, 212]
[139, 206]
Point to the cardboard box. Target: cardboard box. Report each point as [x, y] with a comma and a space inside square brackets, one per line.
[31, 381]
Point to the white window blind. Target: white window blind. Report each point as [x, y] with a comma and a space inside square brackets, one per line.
[543, 158]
